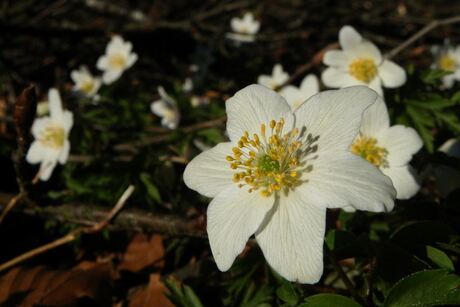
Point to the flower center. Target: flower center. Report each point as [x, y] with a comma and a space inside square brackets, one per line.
[366, 147]
[271, 162]
[87, 86]
[53, 136]
[117, 61]
[447, 63]
[363, 69]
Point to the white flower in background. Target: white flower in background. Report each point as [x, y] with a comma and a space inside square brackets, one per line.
[244, 29]
[390, 148]
[85, 82]
[187, 86]
[448, 178]
[278, 77]
[51, 133]
[448, 59]
[166, 108]
[295, 96]
[43, 108]
[118, 57]
[279, 173]
[198, 101]
[360, 63]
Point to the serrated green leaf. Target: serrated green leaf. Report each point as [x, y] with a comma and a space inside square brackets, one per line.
[424, 289]
[329, 300]
[439, 258]
[288, 294]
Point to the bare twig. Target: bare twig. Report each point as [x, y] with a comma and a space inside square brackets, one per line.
[428, 28]
[72, 235]
[11, 203]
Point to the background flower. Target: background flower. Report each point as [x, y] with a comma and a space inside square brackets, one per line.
[360, 63]
[296, 95]
[85, 82]
[277, 78]
[448, 60]
[166, 108]
[244, 29]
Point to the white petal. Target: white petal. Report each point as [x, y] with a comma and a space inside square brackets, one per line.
[376, 85]
[392, 75]
[336, 58]
[375, 119]
[252, 106]
[451, 148]
[46, 169]
[448, 81]
[335, 116]
[346, 180]
[209, 173]
[233, 216]
[110, 76]
[279, 75]
[55, 103]
[333, 77]
[309, 86]
[367, 50]
[404, 180]
[35, 153]
[349, 38]
[67, 121]
[75, 76]
[64, 155]
[243, 38]
[291, 239]
[401, 143]
[132, 58]
[293, 96]
[102, 62]
[39, 125]
[159, 107]
[116, 44]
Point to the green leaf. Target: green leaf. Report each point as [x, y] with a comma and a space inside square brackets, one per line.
[423, 122]
[426, 288]
[288, 294]
[433, 75]
[329, 300]
[152, 190]
[439, 258]
[191, 297]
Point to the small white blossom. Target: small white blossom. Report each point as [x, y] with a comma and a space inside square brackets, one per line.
[244, 29]
[51, 134]
[295, 96]
[85, 82]
[390, 148]
[277, 78]
[198, 101]
[360, 63]
[166, 108]
[279, 173]
[118, 57]
[187, 86]
[448, 60]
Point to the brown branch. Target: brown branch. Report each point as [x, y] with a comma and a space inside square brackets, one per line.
[72, 235]
[428, 28]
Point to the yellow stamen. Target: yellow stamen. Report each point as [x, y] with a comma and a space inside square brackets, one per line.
[53, 136]
[366, 147]
[447, 63]
[363, 69]
[117, 61]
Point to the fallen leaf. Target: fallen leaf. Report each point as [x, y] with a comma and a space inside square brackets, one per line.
[143, 252]
[151, 295]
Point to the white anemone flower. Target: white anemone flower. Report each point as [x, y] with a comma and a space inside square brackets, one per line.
[244, 29]
[277, 78]
[51, 134]
[448, 178]
[360, 63]
[117, 58]
[295, 96]
[166, 108]
[448, 59]
[85, 82]
[390, 148]
[279, 173]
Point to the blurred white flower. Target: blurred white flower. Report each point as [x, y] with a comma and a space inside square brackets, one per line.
[447, 58]
[166, 108]
[118, 57]
[389, 148]
[277, 78]
[51, 144]
[244, 29]
[197, 101]
[448, 178]
[85, 82]
[187, 86]
[43, 108]
[360, 63]
[295, 96]
[280, 172]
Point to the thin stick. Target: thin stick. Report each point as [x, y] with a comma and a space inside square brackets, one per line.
[429, 27]
[13, 201]
[72, 235]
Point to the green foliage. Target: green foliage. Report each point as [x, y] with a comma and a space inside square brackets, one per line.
[439, 258]
[328, 300]
[182, 295]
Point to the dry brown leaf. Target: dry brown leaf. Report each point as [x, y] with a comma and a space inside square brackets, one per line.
[143, 252]
[153, 295]
[27, 287]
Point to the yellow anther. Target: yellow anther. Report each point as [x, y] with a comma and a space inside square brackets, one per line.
[447, 63]
[367, 148]
[363, 69]
[272, 124]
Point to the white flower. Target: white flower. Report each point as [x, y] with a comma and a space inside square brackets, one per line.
[118, 57]
[295, 96]
[360, 63]
[278, 77]
[244, 29]
[389, 148]
[279, 173]
[187, 86]
[448, 59]
[85, 82]
[197, 101]
[51, 133]
[166, 108]
[448, 178]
